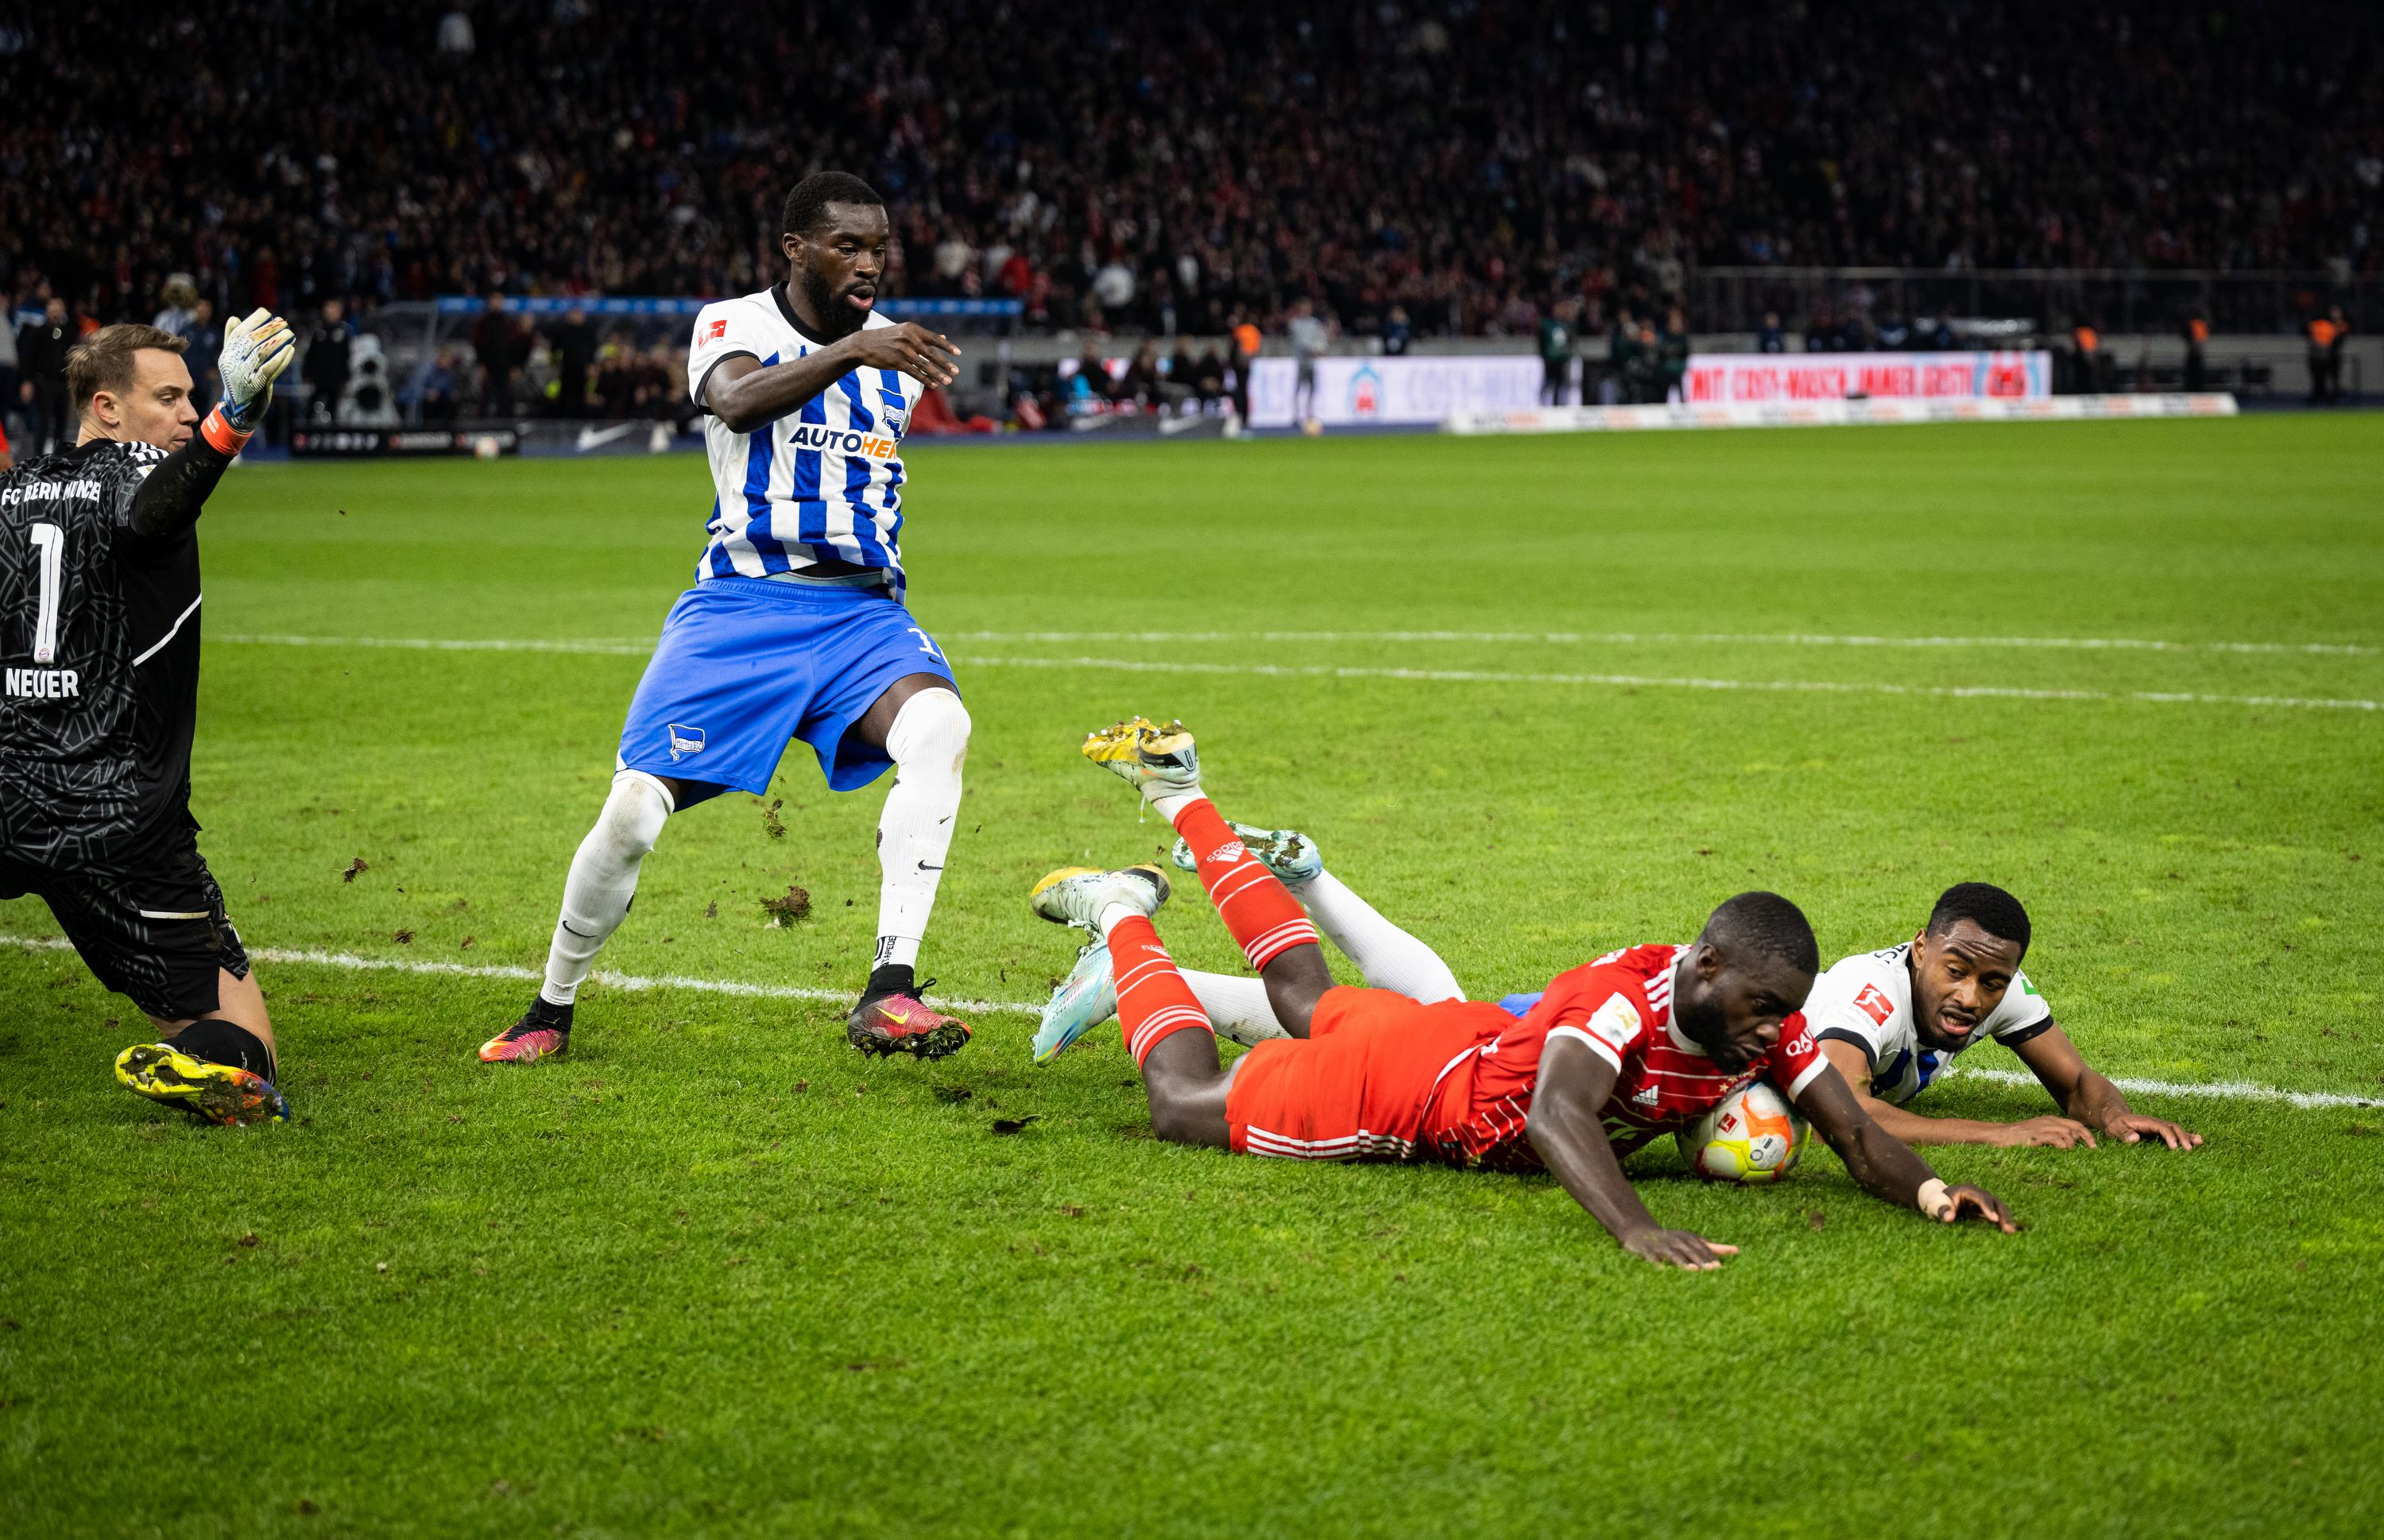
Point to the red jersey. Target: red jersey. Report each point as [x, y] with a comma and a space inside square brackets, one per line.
[1621, 1006]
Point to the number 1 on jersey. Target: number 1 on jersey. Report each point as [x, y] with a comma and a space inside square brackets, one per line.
[50, 544]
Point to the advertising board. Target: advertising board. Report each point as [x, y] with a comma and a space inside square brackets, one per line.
[1733, 378]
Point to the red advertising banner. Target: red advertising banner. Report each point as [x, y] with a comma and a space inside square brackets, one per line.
[1726, 379]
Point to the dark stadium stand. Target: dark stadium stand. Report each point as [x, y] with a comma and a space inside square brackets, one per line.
[1441, 170]
[1465, 160]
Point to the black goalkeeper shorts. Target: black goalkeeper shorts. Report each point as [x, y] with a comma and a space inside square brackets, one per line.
[154, 928]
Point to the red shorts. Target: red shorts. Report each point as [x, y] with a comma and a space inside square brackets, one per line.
[1360, 1086]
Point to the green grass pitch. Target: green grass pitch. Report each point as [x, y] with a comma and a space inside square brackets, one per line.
[714, 1274]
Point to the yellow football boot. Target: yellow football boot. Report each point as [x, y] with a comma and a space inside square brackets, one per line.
[1153, 760]
[1077, 895]
[219, 1093]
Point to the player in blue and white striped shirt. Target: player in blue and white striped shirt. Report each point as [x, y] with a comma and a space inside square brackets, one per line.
[795, 627]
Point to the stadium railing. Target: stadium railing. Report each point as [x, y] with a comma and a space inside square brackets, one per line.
[2051, 299]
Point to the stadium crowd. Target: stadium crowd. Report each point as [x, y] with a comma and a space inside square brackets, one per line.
[1173, 167]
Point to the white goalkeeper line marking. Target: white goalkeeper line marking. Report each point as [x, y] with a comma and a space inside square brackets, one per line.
[2225, 1090]
[1462, 675]
[1638, 638]
[639, 646]
[1653, 682]
[626, 647]
[2217, 1090]
[632, 982]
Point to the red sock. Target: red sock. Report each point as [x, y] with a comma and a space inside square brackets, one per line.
[1260, 911]
[1154, 1002]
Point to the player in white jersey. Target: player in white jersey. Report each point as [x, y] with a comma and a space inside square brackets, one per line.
[1893, 1020]
[795, 627]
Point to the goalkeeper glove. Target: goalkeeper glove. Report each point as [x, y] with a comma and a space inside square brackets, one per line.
[255, 351]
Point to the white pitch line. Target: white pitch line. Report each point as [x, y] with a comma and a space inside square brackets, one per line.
[2226, 1090]
[1653, 638]
[1653, 682]
[619, 981]
[627, 648]
[638, 646]
[2217, 1090]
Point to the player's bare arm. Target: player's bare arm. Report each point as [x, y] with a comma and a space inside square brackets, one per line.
[744, 394]
[1564, 1127]
[2089, 1100]
[832, 275]
[1885, 1165]
[2058, 1133]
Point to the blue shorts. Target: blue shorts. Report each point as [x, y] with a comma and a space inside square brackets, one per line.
[746, 665]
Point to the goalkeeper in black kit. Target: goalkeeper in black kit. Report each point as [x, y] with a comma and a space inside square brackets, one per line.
[99, 636]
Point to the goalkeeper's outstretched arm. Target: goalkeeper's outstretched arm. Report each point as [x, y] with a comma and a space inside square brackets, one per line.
[256, 350]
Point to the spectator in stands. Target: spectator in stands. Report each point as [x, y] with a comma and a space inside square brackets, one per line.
[42, 366]
[1769, 338]
[1088, 387]
[1397, 332]
[180, 296]
[1556, 351]
[572, 344]
[1309, 336]
[1672, 351]
[1183, 375]
[205, 354]
[1655, 136]
[326, 366]
[2085, 359]
[8, 373]
[497, 340]
[1247, 343]
[1209, 380]
[1624, 366]
[2197, 343]
[2327, 335]
[1140, 383]
[434, 388]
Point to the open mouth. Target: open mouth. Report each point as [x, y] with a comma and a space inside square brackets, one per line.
[862, 298]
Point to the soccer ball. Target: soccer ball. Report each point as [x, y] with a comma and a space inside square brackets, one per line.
[1753, 1136]
[485, 447]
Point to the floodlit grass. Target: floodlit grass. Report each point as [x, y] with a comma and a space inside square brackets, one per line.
[712, 1273]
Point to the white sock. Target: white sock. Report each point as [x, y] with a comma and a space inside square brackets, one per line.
[928, 744]
[1168, 803]
[603, 879]
[1237, 1007]
[1389, 957]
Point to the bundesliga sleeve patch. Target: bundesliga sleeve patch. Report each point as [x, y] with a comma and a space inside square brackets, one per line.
[1616, 1024]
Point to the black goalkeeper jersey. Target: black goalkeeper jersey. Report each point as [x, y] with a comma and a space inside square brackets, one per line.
[99, 637]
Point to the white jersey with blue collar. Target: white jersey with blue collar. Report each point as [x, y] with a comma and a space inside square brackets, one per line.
[1866, 999]
[820, 484]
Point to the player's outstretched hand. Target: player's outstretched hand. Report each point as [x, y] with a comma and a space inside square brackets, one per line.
[927, 356]
[2057, 1131]
[1969, 1202]
[256, 350]
[1683, 1249]
[2136, 1128]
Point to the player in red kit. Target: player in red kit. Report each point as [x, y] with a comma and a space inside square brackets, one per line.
[1640, 1042]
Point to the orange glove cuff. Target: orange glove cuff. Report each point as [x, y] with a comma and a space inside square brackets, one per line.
[219, 432]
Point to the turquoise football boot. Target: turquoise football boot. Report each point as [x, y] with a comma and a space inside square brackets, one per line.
[1086, 999]
[1289, 854]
